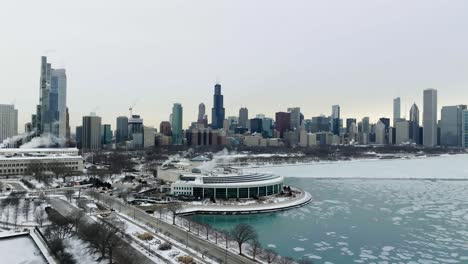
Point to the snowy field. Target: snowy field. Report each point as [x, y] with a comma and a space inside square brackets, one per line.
[442, 167]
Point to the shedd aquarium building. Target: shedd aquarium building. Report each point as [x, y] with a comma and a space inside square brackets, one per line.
[228, 185]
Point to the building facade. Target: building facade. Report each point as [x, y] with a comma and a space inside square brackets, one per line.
[430, 118]
[8, 121]
[121, 133]
[91, 133]
[177, 132]
[217, 112]
[20, 161]
[451, 128]
[396, 110]
[243, 117]
[465, 129]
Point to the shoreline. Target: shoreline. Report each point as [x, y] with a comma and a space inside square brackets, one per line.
[352, 160]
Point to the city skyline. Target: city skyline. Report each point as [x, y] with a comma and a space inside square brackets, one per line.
[358, 62]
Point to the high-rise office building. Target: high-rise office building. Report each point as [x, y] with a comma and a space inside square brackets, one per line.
[396, 110]
[256, 125]
[430, 118]
[79, 137]
[349, 122]
[135, 131]
[121, 133]
[217, 112]
[243, 117]
[380, 133]
[267, 127]
[8, 121]
[51, 113]
[451, 129]
[282, 122]
[414, 124]
[106, 134]
[295, 113]
[202, 118]
[402, 129]
[465, 129]
[177, 132]
[335, 120]
[201, 111]
[91, 133]
[366, 125]
[165, 128]
[320, 124]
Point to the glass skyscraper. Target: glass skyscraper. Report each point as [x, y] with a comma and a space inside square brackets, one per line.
[217, 112]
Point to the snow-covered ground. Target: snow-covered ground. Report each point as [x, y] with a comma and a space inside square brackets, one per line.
[21, 249]
[441, 167]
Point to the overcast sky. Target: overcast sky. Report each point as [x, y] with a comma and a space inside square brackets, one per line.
[268, 55]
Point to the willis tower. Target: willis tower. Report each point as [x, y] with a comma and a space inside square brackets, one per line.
[217, 112]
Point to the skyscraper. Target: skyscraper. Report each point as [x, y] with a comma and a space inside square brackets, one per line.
[295, 118]
[335, 119]
[380, 133]
[430, 118]
[165, 128]
[58, 113]
[8, 121]
[91, 133]
[51, 113]
[396, 110]
[121, 134]
[217, 112]
[201, 114]
[282, 122]
[243, 117]
[451, 125]
[177, 132]
[106, 134]
[414, 124]
[135, 131]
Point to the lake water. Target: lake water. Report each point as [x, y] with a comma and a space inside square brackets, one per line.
[369, 220]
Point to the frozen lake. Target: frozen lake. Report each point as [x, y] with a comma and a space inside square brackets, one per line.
[370, 220]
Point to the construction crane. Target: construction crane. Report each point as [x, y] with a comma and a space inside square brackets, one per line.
[130, 109]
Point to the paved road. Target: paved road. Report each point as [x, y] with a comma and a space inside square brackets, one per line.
[64, 208]
[195, 242]
[16, 185]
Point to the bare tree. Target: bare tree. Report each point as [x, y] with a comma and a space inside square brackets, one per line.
[226, 236]
[175, 208]
[59, 169]
[39, 216]
[161, 208]
[26, 207]
[270, 255]
[207, 228]
[69, 194]
[243, 233]
[255, 248]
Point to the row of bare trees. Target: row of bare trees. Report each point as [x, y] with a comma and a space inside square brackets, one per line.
[16, 204]
[42, 172]
[106, 238]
